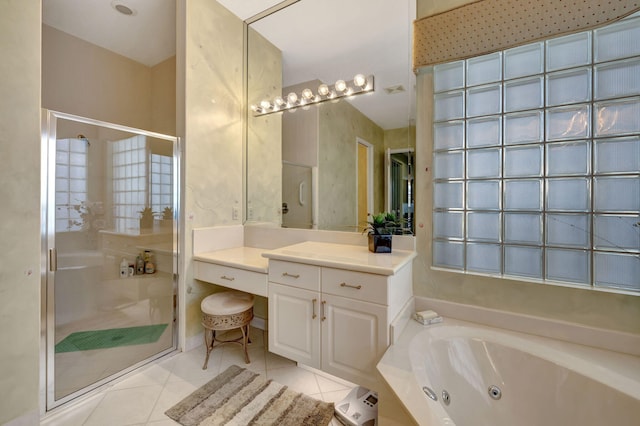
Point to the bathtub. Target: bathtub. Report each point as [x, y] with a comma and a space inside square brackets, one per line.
[78, 285]
[461, 373]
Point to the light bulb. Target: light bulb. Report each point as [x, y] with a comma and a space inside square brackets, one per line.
[254, 108]
[340, 86]
[279, 101]
[265, 104]
[307, 94]
[360, 81]
[323, 90]
[292, 98]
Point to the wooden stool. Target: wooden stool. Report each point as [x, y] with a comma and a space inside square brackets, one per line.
[225, 311]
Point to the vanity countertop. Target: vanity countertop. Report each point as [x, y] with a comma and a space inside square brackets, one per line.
[342, 256]
[248, 258]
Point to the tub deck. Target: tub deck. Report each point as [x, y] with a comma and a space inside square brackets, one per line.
[617, 370]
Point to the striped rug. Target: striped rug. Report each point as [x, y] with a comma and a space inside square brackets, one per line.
[241, 397]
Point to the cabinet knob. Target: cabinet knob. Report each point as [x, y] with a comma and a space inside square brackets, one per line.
[224, 277]
[323, 317]
[313, 306]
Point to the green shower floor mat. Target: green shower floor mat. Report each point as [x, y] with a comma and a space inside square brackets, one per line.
[110, 338]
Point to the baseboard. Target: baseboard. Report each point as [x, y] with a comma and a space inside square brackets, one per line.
[194, 341]
[197, 340]
[259, 323]
[401, 320]
[28, 419]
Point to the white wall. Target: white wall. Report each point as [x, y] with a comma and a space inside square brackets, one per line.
[20, 212]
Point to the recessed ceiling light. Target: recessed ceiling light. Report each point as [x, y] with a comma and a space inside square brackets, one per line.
[125, 10]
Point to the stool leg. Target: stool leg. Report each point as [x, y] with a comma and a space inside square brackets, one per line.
[209, 345]
[245, 338]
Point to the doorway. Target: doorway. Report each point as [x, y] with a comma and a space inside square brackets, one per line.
[109, 291]
[399, 186]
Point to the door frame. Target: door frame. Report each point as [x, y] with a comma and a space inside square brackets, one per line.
[370, 148]
[48, 258]
[387, 172]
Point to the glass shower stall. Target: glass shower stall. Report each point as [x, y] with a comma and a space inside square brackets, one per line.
[109, 246]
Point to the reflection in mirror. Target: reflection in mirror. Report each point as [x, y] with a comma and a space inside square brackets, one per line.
[399, 186]
[322, 166]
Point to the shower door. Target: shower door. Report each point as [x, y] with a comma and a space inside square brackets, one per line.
[297, 196]
[109, 239]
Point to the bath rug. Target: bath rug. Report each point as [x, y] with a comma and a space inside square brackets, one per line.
[110, 338]
[239, 396]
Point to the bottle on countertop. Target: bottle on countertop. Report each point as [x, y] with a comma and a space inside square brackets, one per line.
[149, 267]
[124, 268]
[139, 265]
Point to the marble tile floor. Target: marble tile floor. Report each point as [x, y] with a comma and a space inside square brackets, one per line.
[142, 397]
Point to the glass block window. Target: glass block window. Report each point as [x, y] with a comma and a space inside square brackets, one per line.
[129, 159]
[537, 161]
[161, 182]
[71, 184]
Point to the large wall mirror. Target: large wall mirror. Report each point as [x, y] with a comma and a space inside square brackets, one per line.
[327, 165]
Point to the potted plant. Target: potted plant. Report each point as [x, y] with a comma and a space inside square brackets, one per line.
[146, 218]
[166, 220]
[380, 229]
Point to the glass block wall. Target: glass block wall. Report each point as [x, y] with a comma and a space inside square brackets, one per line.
[161, 183]
[537, 161]
[71, 183]
[130, 181]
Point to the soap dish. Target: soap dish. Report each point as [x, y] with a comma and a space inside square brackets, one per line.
[427, 321]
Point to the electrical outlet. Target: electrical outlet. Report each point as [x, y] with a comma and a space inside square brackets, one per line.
[234, 213]
[250, 213]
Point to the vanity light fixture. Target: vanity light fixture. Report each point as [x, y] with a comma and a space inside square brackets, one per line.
[341, 89]
[360, 80]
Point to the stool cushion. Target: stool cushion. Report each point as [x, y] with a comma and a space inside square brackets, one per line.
[226, 303]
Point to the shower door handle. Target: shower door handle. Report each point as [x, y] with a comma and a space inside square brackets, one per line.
[301, 193]
[53, 260]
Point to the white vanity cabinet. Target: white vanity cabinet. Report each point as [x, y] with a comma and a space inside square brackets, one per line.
[331, 315]
[294, 311]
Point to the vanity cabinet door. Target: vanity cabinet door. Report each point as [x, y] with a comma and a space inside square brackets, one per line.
[294, 324]
[353, 338]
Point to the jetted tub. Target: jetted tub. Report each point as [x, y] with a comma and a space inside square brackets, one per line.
[464, 374]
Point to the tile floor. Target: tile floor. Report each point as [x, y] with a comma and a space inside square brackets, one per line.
[143, 397]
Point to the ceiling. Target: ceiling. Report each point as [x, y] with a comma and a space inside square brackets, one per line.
[148, 36]
[319, 39]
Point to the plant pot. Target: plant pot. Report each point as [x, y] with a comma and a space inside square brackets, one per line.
[146, 223]
[380, 243]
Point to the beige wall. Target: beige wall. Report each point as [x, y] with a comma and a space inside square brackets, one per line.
[163, 97]
[20, 214]
[339, 126]
[264, 133]
[600, 309]
[210, 57]
[404, 137]
[83, 79]
[87, 80]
